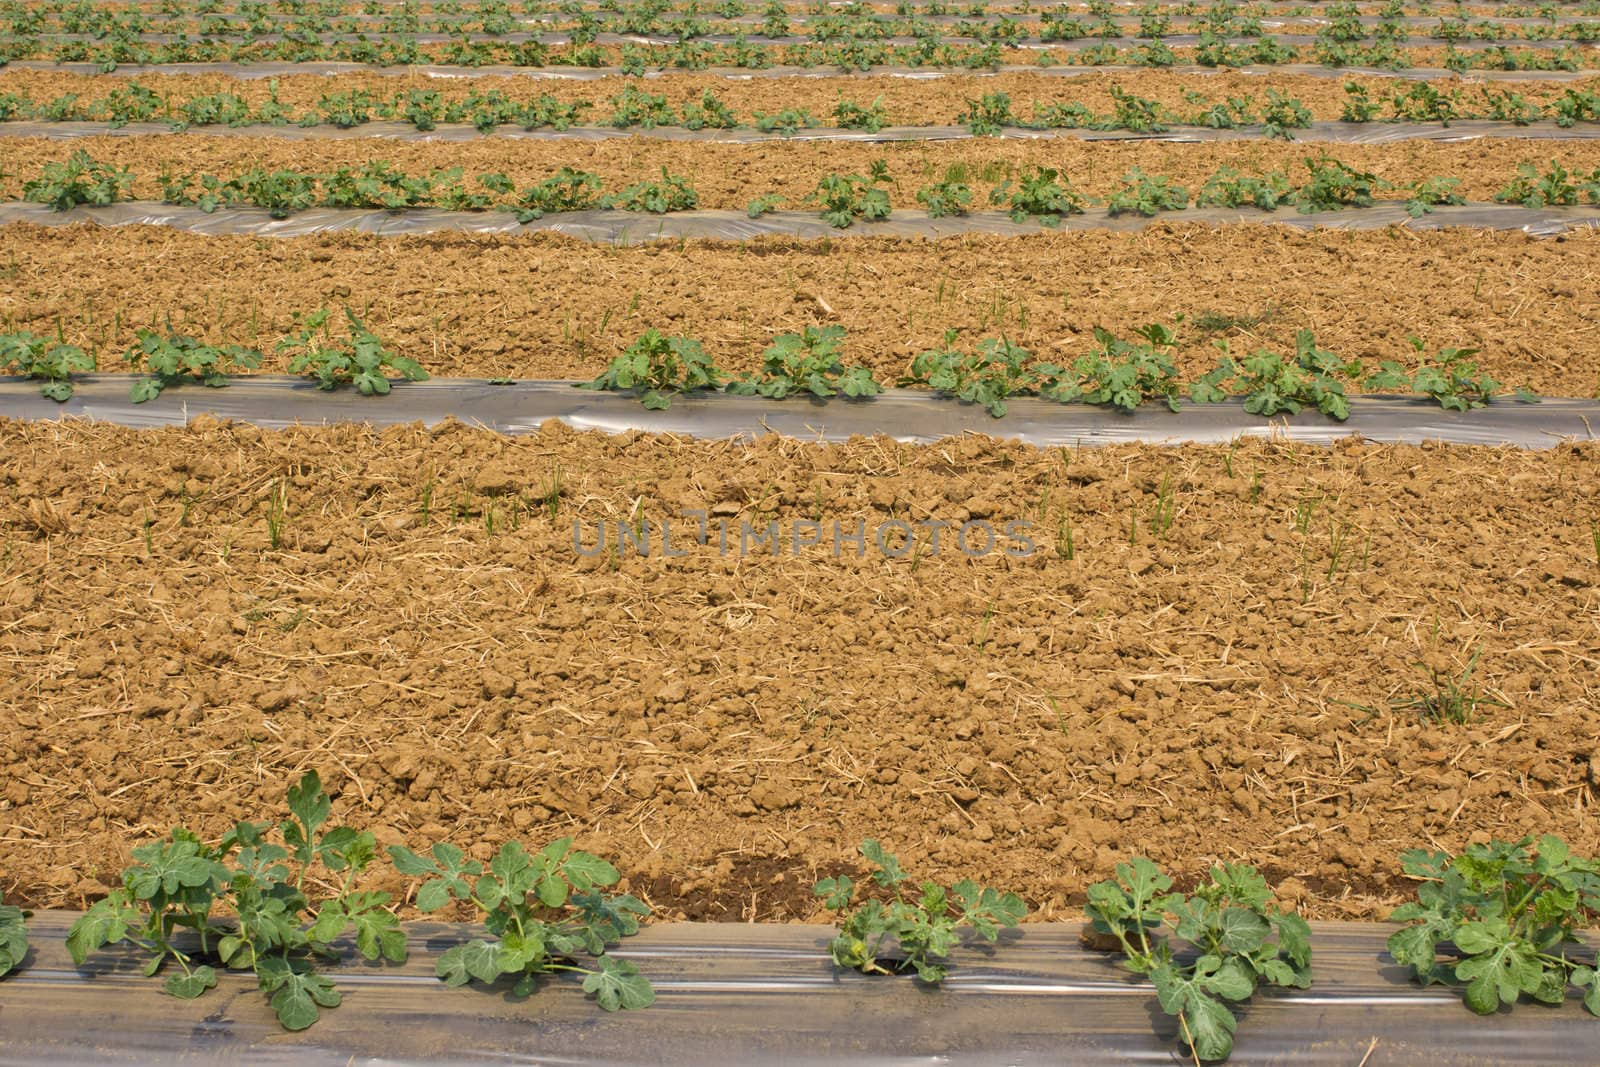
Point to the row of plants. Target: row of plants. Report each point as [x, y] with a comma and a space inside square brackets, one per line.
[744, 52]
[82, 180]
[317, 349]
[1038, 193]
[778, 25]
[1338, 22]
[635, 107]
[87, 17]
[1498, 920]
[1118, 372]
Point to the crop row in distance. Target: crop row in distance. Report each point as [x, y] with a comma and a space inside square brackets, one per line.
[634, 107]
[1038, 193]
[1498, 921]
[314, 13]
[1123, 374]
[851, 55]
[1339, 22]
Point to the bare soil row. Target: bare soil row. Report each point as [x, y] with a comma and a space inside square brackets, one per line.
[428, 636]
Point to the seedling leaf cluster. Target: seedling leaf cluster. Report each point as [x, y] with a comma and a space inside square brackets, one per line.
[913, 932]
[1241, 938]
[516, 893]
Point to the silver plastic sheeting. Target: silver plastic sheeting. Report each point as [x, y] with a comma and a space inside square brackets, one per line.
[907, 415]
[732, 995]
[247, 71]
[1317, 132]
[625, 227]
[1082, 44]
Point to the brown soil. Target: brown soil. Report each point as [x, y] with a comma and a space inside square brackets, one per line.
[729, 176]
[905, 101]
[541, 306]
[729, 728]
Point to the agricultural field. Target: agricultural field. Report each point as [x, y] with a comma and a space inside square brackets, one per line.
[509, 704]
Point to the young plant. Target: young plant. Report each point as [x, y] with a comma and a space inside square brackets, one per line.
[1499, 919]
[79, 180]
[1280, 114]
[915, 934]
[1334, 186]
[13, 937]
[1429, 193]
[987, 376]
[786, 122]
[1313, 377]
[542, 910]
[280, 192]
[806, 362]
[988, 115]
[659, 367]
[1228, 188]
[672, 193]
[1037, 196]
[852, 116]
[1242, 938]
[1122, 373]
[634, 107]
[763, 204]
[1554, 188]
[566, 190]
[708, 113]
[1452, 378]
[946, 198]
[360, 359]
[844, 198]
[170, 358]
[1146, 195]
[38, 357]
[278, 931]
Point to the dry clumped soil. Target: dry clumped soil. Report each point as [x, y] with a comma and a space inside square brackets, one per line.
[727, 728]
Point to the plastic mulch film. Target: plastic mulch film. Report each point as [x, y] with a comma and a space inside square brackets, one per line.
[731, 994]
[275, 402]
[1317, 132]
[283, 69]
[1172, 40]
[626, 227]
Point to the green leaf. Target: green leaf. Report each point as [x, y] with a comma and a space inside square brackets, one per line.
[1243, 930]
[296, 990]
[434, 894]
[1233, 980]
[618, 985]
[476, 959]
[888, 872]
[106, 922]
[408, 862]
[191, 985]
[585, 871]
[310, 806]
[144, 389]
[1588, 980]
